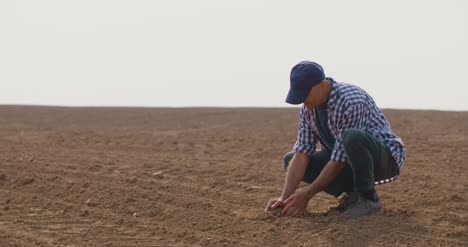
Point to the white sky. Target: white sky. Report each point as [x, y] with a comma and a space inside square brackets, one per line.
[406, 54]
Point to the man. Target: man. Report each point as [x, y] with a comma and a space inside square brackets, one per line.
[358, 148]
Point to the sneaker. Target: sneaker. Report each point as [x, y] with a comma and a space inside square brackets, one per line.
[363, 207]
[347, 200]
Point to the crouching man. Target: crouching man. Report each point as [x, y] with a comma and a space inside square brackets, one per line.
[358, 148]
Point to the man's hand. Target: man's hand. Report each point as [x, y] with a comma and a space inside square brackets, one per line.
[296, 204]
[274, 203]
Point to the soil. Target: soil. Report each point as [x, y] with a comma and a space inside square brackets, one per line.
[202, 177]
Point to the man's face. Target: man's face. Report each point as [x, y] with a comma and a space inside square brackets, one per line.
[314, 98]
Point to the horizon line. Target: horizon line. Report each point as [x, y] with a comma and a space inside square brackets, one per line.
[205, 107]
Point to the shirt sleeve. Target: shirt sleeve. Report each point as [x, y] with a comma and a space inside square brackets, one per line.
[306, 141]
[355, 117]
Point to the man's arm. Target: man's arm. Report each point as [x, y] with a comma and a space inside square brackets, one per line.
[305, 146]
[296, 204]
[294, 175]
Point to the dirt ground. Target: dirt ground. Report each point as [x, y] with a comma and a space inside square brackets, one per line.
[202, 177]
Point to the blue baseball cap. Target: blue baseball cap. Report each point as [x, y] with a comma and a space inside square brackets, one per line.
[304, 76]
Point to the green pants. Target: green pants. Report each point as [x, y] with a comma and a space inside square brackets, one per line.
[367, 160]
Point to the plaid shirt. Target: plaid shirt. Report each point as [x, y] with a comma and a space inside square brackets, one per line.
[348, 107]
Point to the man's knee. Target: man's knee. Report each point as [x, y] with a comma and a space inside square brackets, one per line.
[353, 138]
[286, 159]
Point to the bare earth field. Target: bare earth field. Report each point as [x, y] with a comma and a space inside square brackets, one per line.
[202, 177]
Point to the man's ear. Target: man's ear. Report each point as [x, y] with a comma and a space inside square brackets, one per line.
[323, 84]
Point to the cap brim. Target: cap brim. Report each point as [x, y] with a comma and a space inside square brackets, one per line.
[296, 97]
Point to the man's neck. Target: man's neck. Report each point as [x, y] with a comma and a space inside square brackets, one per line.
[326, 92]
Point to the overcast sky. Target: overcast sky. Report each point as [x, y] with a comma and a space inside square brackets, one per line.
[406, 54]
